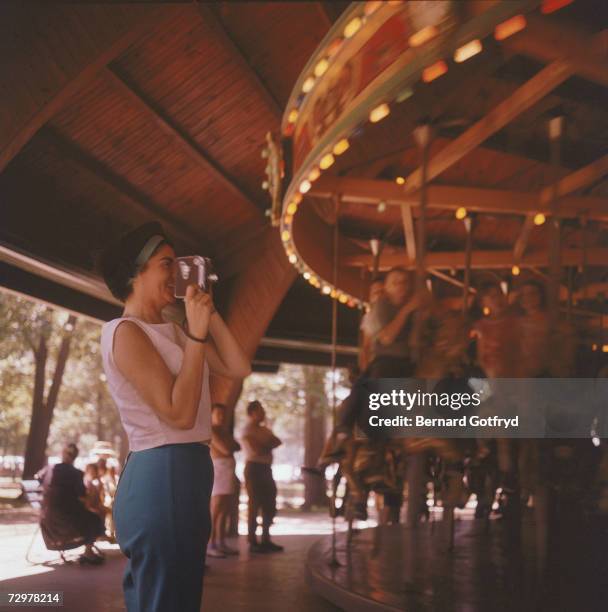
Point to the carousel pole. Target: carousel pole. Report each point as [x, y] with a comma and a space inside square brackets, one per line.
[541, 499]
[422, 136]
[555, 133]
[334, 339]
[468, 225]
[415, 464]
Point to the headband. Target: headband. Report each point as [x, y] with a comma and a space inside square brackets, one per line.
[148, 249]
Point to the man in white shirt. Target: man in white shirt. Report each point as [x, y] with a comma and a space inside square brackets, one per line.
[258, 443]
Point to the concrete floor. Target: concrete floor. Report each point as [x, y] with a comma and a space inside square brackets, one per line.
[264, 583]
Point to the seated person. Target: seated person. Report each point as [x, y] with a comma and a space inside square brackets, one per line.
[95, 492]
[64, 517]
[390, 324]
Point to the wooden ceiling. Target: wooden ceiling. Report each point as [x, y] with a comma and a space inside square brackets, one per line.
[117, 114]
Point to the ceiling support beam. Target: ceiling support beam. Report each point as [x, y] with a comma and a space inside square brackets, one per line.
[480, 259]
[547, 41]
[521, 99]
[139, 202]
[181, 140]
[475, 199]
[65, 80]
[239, 57]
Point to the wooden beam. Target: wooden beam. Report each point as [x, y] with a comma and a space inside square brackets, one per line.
[63, 81]
[521, 99]
[179, 138]
[579, 179]
[475, 199]
[480, 259]
[547, 41]
[140, 202]
[408, 231]
[239, 58]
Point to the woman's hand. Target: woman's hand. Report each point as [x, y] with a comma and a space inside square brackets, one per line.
[199, 308]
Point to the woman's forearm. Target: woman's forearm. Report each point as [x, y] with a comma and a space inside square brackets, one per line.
[228, 349]
[188, 385]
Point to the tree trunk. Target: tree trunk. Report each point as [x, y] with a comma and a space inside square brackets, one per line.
[314, 435]
[42, 411]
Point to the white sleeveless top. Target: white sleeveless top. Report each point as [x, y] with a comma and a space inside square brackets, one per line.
[143, 427]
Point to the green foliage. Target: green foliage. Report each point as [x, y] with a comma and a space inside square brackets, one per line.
[84, 407]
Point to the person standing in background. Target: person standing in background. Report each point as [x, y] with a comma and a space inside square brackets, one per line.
[259, 442]
[223, 447]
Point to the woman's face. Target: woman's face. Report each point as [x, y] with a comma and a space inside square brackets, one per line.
[156, 281]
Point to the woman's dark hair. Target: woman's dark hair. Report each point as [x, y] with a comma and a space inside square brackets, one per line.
[118, 262]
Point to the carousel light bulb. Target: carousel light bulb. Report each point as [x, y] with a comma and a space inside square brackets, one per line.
[515, 270]
[293, 115]
[462, 54]
[486, 311]
[434, 71]
[306, 275]
[315, 173]
[594, 347]
[343, 299]
[305, 186]
[285, 235]
[293, 258]
[333, 47]
[308, 84]
[321, 67]
[326, 289]
[288, 219]
[341, 146]
[550, 6]
[371, 7]
[539, 219]
[333, 294]
[422, 36]
[352, 27]
[326, 161]
[509, 27]
[604, 348]
[381, 206]
[297, 198]
[379, 113]
[404, 95]
[292, 207]
[460, 213]
[400, 180]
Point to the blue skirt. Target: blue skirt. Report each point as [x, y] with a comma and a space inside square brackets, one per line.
[162, 520]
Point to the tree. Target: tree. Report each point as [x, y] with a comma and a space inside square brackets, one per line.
[314, 434]
[37, 337]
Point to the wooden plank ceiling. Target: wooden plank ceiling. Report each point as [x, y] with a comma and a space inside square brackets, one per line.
[125, 113]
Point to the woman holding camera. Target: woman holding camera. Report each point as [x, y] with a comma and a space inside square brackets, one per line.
[158, 375]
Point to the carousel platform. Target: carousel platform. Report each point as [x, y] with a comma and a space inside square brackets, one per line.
[411, 570]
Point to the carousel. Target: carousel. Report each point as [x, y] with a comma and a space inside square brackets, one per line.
[465, 141]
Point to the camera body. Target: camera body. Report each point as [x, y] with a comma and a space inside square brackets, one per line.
[193, 269]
